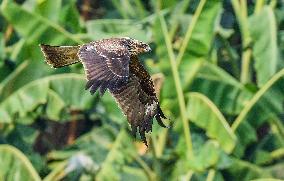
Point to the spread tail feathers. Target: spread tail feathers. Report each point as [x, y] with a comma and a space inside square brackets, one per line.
[60, 56]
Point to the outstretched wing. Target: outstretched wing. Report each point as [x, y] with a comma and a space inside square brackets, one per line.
[105, 67]
[138, 100]
[128, 97]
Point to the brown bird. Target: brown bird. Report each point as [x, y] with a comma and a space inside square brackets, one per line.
[113, 64]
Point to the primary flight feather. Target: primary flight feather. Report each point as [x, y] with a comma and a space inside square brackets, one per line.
[112, 64]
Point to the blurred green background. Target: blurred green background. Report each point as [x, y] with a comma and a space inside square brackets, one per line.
[218, 67]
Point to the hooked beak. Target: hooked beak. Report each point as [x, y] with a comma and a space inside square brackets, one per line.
[148, 49]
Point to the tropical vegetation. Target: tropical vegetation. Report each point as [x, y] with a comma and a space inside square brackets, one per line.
[218, 68]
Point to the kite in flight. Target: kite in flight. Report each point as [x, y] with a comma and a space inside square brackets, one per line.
[113, 64]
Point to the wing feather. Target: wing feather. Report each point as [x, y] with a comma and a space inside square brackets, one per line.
[138, 100]
[95, 85]
[104, 67]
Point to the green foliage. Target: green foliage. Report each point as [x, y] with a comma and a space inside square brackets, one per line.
[222, 64]
[265, 52]
[39, 29]
[15, 165]
[202, 112]
[52, 91]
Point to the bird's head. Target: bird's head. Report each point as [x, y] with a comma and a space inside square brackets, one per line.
[136, 47]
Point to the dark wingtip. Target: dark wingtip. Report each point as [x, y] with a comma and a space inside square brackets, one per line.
[142, 128]
[102, 91]
[142, 135]
[160, 112]
[103, 86]
[133, 130]
[93, 85]
[160, 122]
[145, 142]
[88, 84]
[160, 115]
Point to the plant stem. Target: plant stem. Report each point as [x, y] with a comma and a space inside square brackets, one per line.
[245, 75]
[279, 126]
[250, 166]
[255, 98]
[177, 85]
[188, 175]
[258, 6]
[119, 8]
[277, 154]
[244, 7]
[150, 174]
[241, 14]
[211, 175]
[142, 13]
[273, 4]
[161, 142]
[158, 6]
[57, 173]
[8, 33]
[184, 5]
[189, 31]
[275, 130]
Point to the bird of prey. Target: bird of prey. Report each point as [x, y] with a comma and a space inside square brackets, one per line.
[113, 64]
